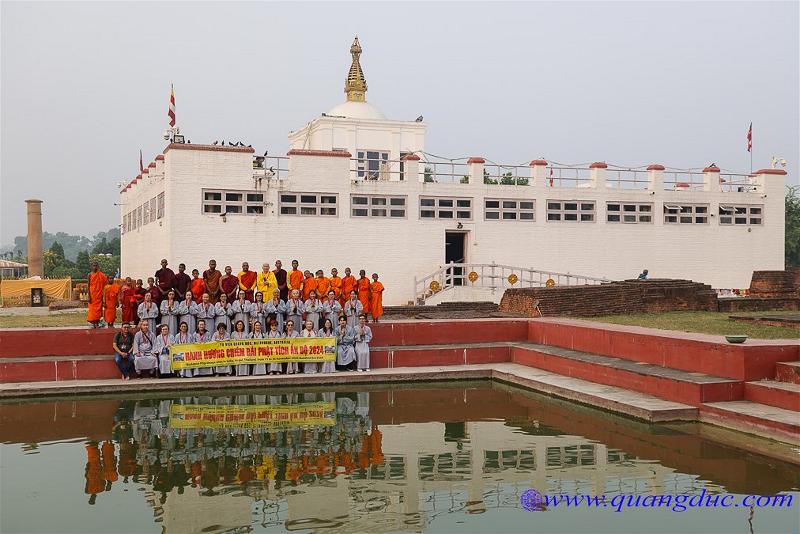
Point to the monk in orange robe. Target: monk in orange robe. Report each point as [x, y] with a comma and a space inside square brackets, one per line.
[97, 284]
[247, 281]
[336, 284]
[309, 285]
[348, 285]
[362, 286]
[198, 286]
[323, 285]
[295, 277]
[110, 301]
[376, 448]
[376, 297]
[212, 277]
[94, 473]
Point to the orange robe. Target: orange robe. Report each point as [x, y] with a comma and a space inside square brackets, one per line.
[376, 299]
[109, 462]
[110, 300]
[295, 280]
[348, 284]
[309, 285]
[336, 285]
[323, 286]
[363, 293]
[97, 283]
[94, 471]
[198, 288]
[247, 283]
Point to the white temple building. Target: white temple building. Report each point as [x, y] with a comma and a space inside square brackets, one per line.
[358, 190]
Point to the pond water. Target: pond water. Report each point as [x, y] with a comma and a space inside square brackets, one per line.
[449, 457]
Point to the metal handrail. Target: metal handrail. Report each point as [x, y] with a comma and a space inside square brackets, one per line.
[493, 276]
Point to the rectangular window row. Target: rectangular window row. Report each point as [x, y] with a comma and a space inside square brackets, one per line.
[309, 204]
[377, 206]
[149, 211]
[445, 208]
[220, 202]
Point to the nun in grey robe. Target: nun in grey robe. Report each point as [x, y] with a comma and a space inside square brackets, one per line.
[207, 312]
[205, 337]
[309, 368]
[363, 336]
[331, 310]
[327, 367]
[258, 368]
[274, 367]
[241, 369]
[313, 309]
[186, 314]
[161, 350]
[144, 359]
[224, 313]
[345, 339]
[352, 310]
[258, 312]
[241, 311]
[221, 369]
[292, 367]
[184, 337]
[276, 309]
[148, 311]
[294, 312]
[169, 314]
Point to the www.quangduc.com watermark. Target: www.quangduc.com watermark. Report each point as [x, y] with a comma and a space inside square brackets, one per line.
[533, 501]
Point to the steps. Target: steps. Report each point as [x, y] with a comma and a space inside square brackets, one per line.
[779, 394]
[754, 418]
[787, 372]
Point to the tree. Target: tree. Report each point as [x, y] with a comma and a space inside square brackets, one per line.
[108, 263]
[792, 239]
[57, 249]
[487, 180]
[428, 175]
[82, 263]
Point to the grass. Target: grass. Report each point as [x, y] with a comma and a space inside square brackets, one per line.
[42, 321]
[705, 323]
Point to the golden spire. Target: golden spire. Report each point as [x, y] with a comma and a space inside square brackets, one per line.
[355, 86]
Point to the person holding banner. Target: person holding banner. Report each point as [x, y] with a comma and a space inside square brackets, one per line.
[205, 311]
[169, 311]
[276, 309]
[345, 353]
[274, 368]
[352, 309]
[294, 311]
[332, 308]
[161, 351]
[221, 335]
[309, 368]
[313, 307]
[327, 331]
[223, 312]
[203, 336]
[291, 367]
[240, 333]
[143, 341]
[258, 333]
[148, 312]
[184, 336]
[363, 335]
[185, 312]
[241, 311]
[257, 311]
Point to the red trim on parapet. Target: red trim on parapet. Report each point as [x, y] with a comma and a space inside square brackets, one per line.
[538, 162]
[209, 148]
[711, 169]
[778, 172]
[323, 153]
[599, 165]
[476, 159]
[655, 167]
[160, 157]
[410, 157]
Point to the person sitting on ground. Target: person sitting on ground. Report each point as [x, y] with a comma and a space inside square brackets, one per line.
[144, 359]
[222, 335]
[643, 275]
[123, 345]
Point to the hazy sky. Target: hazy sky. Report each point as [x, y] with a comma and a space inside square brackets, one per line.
[85, 85]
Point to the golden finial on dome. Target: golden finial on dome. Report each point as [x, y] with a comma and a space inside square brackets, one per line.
[355, 86]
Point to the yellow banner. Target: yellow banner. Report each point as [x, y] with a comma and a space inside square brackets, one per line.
[246, 351]
[247, 416]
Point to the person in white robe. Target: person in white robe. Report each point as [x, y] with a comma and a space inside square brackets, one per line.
[309, 368]
[363, 336]
[203, 336]
[332, 309]
[184, 336]
[276, 310]
[313, 309]
[327, 331]
[345, 354]
[148, 311]
[169, 311]
[258, 333]
[143, 357]
[185, 315]
[206, 311]
[352, 309]
[239, 333]
[291, 367]
[221, 335]
[241, 311]
[258, 310]
[223, 312]
[274, 368]
[294, 311]
[161, 350]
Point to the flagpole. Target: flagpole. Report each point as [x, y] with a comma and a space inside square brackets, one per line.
[751, 148]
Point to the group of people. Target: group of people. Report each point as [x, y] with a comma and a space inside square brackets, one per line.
[220, 307]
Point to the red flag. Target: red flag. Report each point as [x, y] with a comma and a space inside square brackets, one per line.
[171, 112]
[551, 176]
[750, 138]
[141, 162]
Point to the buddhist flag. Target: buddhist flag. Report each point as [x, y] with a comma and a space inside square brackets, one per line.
[141, 162]
[750, 138]
[171, 112]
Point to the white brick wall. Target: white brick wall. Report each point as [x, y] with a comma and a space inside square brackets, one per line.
[399, 250]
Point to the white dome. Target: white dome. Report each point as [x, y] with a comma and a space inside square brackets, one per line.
[357, 110]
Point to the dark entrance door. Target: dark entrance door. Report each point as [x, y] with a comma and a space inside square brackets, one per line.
[455, 252]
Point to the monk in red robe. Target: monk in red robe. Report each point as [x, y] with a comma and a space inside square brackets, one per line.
[97, 284]
[212, 278]
[128, 296]
[247, 281]
[348, 285]
[229, 284]
[362, 286]
[165, 280]
[282, 277]
[138, 294]
[110, 302]
[376, 297]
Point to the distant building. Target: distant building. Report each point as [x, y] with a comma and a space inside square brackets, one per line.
[13, 269]
[358, 190]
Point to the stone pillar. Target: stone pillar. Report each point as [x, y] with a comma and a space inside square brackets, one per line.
[711, 179]
[539, 173]
[655, 177]
[598, 174]
[476, 166]
[34, 237]
[411, 168]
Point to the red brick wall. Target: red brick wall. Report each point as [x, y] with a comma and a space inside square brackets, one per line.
[774, 283]
[738, 304]
[629, 296]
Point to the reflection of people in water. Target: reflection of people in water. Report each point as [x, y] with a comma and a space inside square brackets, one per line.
[109, 464]
[94, 472]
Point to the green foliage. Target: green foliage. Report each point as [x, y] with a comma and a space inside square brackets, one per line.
[108, 263]
[82, 263]
[508, 179]
[464, 180]
[487, 180]
[792, 240]
[57, 249]
[70, 244]
[428, 174]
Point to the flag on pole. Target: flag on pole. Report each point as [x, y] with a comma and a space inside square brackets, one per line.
[171, 112]
[750, 138]
[141, 162]
[551, 176]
